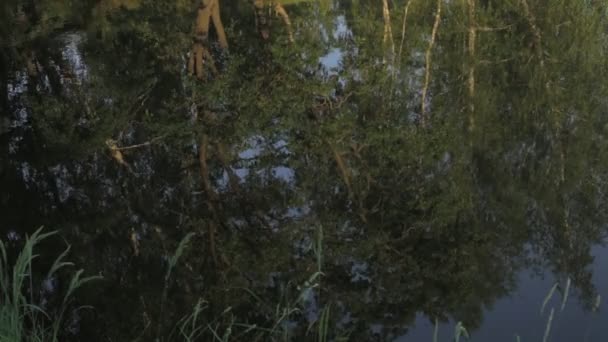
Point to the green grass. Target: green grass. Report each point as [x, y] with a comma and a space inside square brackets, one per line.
[291, 303]
[21, 318]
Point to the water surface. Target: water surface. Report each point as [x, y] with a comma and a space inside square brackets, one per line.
[350, 170]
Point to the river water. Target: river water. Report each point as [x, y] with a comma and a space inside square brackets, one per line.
[342, 170]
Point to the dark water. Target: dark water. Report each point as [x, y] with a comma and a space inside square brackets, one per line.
[385, 168]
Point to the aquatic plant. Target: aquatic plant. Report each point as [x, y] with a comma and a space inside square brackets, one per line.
[22, 318]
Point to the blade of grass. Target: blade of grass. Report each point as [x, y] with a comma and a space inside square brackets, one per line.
[565, 297]
[178, 253]
[596, 305]
[17, 309]
[171, 264]
[324, 324]
[547, 298]
[59, 263]
[548, 328]
[460, 330]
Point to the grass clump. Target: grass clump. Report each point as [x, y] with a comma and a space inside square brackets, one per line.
[21, 319]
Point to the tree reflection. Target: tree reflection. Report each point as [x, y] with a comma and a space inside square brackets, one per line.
[434, 177]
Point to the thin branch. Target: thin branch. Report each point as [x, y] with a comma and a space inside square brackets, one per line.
[344, 172]
[490, 29]
[499, 61]
[147, 143]
[117, 155]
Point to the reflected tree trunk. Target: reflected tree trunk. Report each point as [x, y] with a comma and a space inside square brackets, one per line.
[5, 109]
[387, 38]
[538, 48]
[427, 68]
[471, 44]
[280, 11]
[225, 161]
[217, 23]
[108, 5]
[211, 196]
[558, 129]
[262, 18]
[263, 9]
[403, 27]
[31, 64]
[213, 205]
[208, 13]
